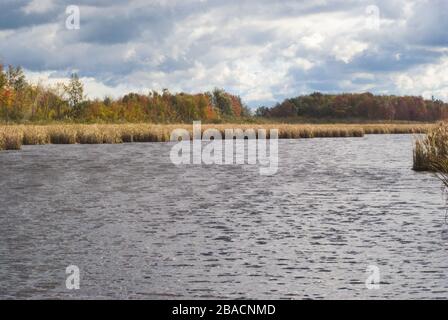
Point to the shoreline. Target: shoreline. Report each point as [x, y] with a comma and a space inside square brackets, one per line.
[13, 136]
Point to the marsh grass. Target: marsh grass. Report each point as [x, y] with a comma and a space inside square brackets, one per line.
[13, 136]
[35, 135]
[10, 138]
[59, 134]
[431, 152]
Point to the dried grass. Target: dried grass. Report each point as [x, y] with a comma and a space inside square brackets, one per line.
[13, 136]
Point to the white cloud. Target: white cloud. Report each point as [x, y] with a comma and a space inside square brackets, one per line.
[92, 87]
[428, 81]
[313, 41]
[346, 51]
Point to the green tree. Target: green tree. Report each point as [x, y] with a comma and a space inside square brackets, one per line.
[222, 102]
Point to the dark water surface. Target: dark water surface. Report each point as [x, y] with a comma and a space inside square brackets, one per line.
[139, 227]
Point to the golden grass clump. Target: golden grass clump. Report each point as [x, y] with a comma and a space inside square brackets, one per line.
[145, 134]
[60, 134]
[89, 135]
[431, 151]
[10, 138]
[111, 135]
[33, 135]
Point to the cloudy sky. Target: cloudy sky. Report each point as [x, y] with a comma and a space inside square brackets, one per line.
[262, 50]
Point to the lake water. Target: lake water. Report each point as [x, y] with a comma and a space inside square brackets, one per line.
[139, 227]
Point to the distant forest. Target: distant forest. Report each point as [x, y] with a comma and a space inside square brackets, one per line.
[21, 101]
[358, 106]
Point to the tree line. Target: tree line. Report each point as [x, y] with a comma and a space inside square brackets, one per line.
[22, 101]
[358, 106]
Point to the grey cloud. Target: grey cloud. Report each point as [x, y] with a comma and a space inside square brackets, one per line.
[429, 24]
[13, 15]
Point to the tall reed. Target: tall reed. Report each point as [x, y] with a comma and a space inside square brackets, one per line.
[431, 151]
[10, 138]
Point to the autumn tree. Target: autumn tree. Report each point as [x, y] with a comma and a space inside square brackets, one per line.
[4, 95]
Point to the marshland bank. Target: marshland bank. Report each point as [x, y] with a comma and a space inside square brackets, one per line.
[13, 136]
